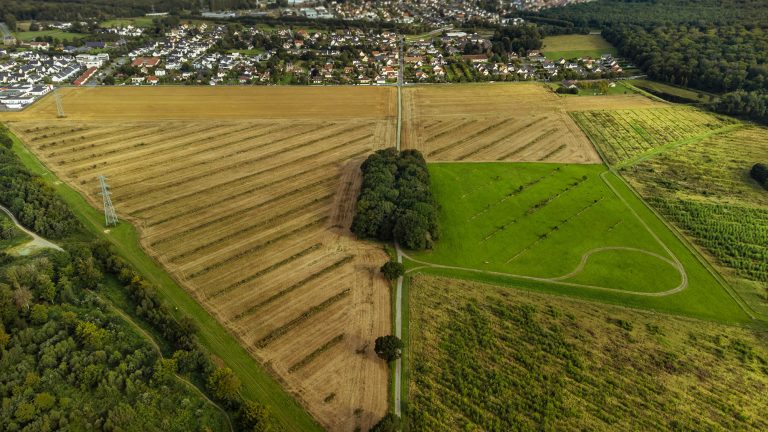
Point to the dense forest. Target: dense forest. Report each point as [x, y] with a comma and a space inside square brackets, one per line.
[516, 39]
[718, 46]
[658, 12]
[69, 362]
[396, 201]
[33, 202]
[751, 105]
[51, 10]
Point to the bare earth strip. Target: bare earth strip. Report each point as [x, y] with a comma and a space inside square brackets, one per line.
[502, 122]
[246, 196]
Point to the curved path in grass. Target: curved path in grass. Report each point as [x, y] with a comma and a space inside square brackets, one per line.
[587, 255]
[37, 242]
[558, 280]
[674, 261]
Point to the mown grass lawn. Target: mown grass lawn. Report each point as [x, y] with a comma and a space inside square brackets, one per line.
[123, 22]
[575, 46]
[56, 34]
[539, 220]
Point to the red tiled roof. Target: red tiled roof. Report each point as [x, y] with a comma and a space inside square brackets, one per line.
[84, 77]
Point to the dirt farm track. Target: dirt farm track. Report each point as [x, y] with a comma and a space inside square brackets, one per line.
[246, 194]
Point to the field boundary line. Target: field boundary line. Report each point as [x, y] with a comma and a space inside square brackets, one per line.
[688, 244]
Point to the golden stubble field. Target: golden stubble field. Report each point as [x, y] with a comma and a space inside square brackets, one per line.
[522, 122]
[245, 195]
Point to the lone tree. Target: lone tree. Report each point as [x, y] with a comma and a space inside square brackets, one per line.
[759, 172]
[393, 270]
[388, 347]
[224, 384]
[388, 423]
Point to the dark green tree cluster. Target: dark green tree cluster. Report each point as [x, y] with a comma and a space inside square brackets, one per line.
[34, 203]
[145, 299]
[516, 39]
[710, 57]
[52, 10]
[710, 45]
[393, 270]
[388, 423]
[388, 347]
[759, 172]
[5, 138]
[602, 13]
[396, 201]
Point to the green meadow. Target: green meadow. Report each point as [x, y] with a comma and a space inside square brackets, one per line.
[576, 46]
[567, 229]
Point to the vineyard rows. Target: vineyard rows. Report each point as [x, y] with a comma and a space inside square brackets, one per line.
[736, 236]
[624, 134]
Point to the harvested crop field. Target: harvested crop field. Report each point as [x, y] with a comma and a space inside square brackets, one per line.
[251, 216]
[214, 103]
[501, 122]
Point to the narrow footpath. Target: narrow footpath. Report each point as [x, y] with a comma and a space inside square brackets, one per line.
[37, 242]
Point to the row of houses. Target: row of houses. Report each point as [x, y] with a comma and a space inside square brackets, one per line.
[29, 67]
[17, 96]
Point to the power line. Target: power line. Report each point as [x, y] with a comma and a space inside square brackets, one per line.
[59, 106]
[110, 217]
